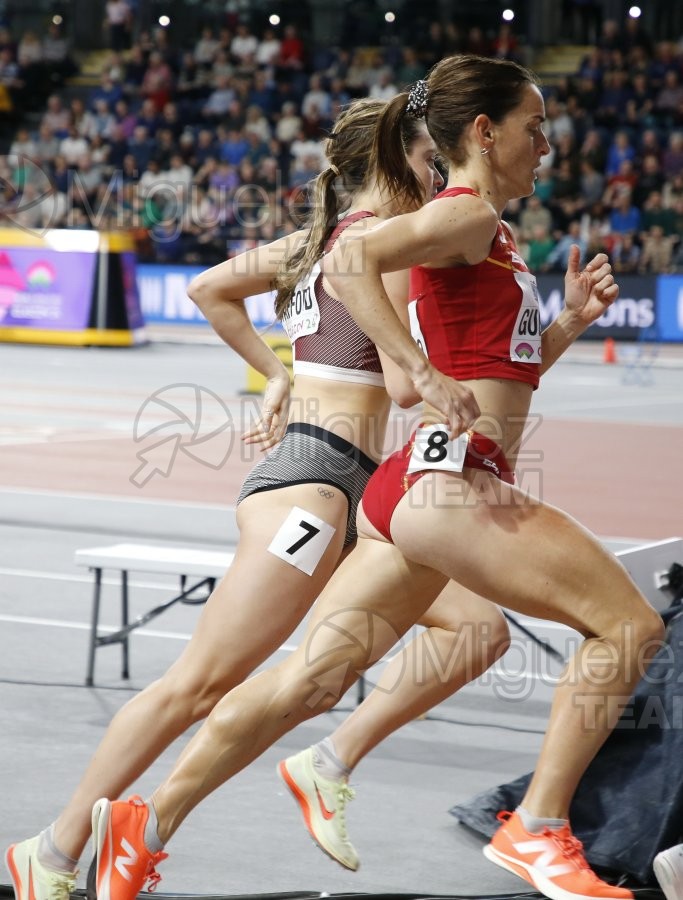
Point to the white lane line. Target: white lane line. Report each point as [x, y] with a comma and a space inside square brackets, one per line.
[672, 400]
[71, 495]
[85, 626]
[151, 585]
[497, 669]
[82, 579]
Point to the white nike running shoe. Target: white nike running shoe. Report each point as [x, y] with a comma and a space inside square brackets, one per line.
[323, 803]
[31, 880]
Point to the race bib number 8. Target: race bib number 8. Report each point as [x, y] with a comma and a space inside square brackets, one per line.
[301, 540]
[433, 449]
[303, 314]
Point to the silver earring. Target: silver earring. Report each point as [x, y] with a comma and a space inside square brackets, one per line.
[484, 150]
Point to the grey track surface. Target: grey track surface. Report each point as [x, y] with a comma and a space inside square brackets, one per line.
[247, 837]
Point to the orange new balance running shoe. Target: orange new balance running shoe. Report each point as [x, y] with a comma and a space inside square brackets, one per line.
[123, 862]
[552, 861]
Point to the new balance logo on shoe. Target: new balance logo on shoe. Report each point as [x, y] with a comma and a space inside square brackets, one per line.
[123, 862]
[544, 863]
[552, 861]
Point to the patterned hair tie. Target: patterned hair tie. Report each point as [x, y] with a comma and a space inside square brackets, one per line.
[417, 100]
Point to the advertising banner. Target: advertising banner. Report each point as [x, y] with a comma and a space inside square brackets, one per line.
[163, 295]
[670, 307]
[637, 313]
[131, 294]
[45, 289]
[631, 316]
[69, 287]
[164, 300]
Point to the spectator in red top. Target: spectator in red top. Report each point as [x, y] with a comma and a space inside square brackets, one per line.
[292, 51]
[505, 43]
[625, 179]
[158, 81]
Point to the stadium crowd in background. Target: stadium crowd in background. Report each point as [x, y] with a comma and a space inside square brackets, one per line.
[205, 151]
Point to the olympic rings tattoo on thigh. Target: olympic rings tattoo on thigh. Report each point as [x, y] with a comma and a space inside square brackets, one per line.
[328, 495]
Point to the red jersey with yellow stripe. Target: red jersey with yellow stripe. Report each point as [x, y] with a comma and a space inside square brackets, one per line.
[479, 321]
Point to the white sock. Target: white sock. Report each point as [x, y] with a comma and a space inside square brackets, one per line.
[327, 763]
[151, 836]
[51, 856]
[536, 824]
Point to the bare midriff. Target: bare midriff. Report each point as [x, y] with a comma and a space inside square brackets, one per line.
[356, 412]
[504, 407]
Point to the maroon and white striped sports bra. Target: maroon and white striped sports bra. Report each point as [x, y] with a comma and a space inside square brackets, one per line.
[326, 341]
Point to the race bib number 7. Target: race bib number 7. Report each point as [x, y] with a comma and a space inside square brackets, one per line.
[302, 539]
[433, 449]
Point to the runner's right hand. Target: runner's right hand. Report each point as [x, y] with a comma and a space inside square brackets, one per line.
[271, 425]
[456, 402]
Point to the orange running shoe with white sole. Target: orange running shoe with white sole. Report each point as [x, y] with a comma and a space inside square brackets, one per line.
[124, 864]
[552, 861]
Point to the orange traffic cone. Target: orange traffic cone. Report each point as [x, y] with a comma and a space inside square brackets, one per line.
[609, 353]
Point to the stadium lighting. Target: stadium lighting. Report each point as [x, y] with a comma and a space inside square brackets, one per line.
[164, 21]
[389, 17]
[634, 12]
[274, 19]
[508, 15]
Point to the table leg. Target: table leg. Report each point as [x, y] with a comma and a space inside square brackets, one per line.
[90, 671]
[124, 622]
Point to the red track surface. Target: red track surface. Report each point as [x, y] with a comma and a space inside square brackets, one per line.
[617, 479]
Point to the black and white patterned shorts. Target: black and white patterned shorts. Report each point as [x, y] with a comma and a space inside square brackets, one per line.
[311, 455]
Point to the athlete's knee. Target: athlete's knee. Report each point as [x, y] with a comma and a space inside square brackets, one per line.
[638, 635]
[205, 700]
[188, 697]
[649, 629]
[307, 688]
[497, 639]
[477, 643]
